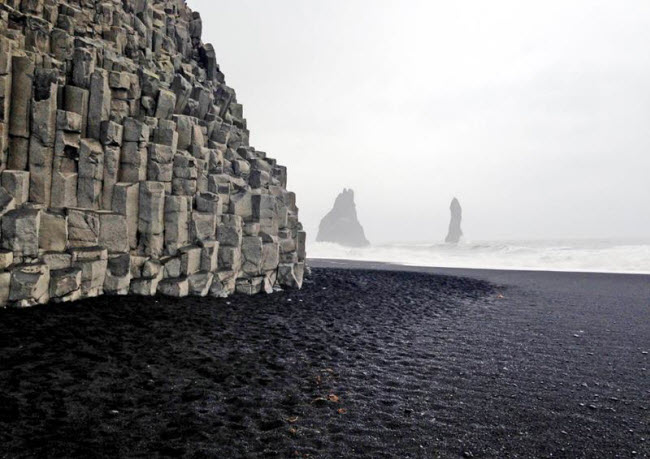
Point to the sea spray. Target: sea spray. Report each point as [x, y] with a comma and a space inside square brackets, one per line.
[620, 256]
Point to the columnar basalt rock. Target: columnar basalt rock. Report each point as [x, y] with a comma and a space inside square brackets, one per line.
[125, 164]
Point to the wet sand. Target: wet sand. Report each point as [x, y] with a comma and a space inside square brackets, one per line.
[364, 362]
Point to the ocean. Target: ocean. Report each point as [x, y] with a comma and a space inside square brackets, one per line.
[611, 256]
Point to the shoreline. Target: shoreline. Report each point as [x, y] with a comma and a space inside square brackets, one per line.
[346, 263]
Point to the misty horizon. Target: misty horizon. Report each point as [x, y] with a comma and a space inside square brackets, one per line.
[533, 116]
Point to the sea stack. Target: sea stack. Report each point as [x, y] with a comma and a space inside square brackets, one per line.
[341, 224]
[455, 233]
[125, 161]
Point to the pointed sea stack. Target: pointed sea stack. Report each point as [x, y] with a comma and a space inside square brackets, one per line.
[455, 233]
[341, 225]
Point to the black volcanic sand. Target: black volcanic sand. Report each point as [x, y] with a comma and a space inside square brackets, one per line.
[360, 363]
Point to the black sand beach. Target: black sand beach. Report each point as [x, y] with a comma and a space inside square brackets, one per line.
[360, 363]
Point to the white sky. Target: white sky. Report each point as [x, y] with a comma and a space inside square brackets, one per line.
[535, 114]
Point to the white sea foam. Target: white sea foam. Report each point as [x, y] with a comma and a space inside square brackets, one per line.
[585, 255]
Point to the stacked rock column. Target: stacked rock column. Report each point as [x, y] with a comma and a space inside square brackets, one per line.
[125, 164]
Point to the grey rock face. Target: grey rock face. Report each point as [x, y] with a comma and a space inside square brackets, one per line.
[341, 225]
[125, 164]
[455, 233]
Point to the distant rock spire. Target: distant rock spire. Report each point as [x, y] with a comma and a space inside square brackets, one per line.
[455, 233]
[341, 225]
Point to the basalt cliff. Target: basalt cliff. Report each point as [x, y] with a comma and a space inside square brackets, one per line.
[125, 164]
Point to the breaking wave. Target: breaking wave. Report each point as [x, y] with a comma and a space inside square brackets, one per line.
[585, 255]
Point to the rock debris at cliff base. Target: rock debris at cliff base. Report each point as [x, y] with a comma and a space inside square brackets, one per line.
[125, 164]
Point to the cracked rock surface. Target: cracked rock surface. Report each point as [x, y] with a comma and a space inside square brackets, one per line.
[123, 153]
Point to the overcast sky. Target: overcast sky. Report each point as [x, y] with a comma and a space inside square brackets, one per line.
[536, 115]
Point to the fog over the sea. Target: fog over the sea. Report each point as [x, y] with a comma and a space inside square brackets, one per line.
[536, 115]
